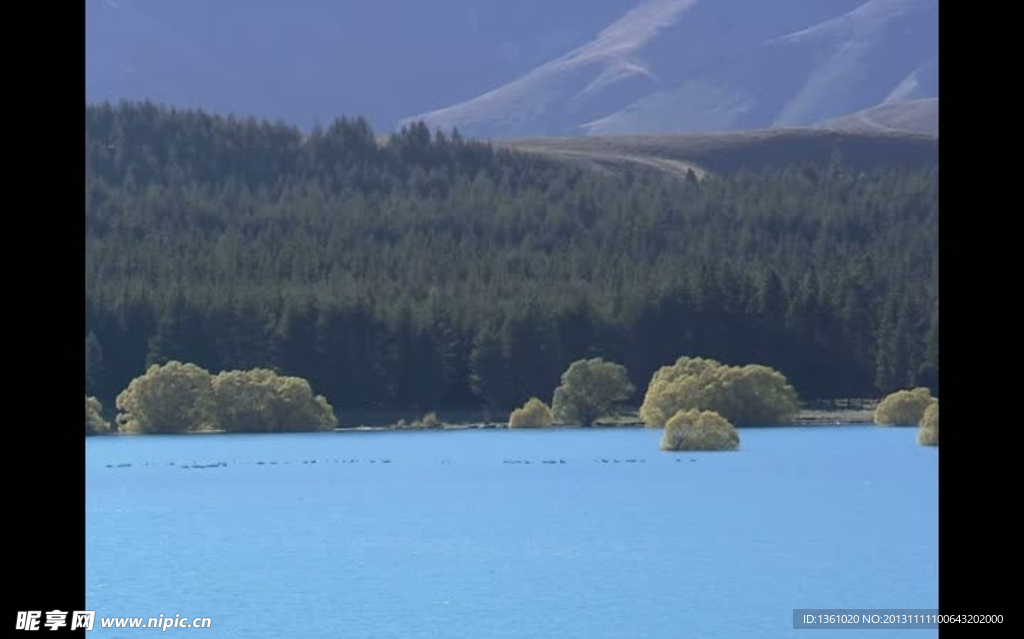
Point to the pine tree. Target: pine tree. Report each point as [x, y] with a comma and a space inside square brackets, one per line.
[95, 371]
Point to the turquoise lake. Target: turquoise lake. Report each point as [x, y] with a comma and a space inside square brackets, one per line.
[450, 534]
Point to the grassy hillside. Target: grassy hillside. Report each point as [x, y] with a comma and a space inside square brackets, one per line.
[920, 116]
[731, 151]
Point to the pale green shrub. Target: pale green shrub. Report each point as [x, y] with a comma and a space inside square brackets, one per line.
[699, 430]
[752, 395]
[903, 408]
[94, 422]
[172, 398]
[590, 389]
[533, 414]
[928, 432]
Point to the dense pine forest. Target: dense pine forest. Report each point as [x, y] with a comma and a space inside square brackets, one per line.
[425, 271]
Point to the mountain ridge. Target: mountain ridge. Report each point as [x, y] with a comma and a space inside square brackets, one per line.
[539, 67]
[838, 66]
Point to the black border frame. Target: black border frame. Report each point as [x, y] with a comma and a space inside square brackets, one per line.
[46, 268]
[47, 489]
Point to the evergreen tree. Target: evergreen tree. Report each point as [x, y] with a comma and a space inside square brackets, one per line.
[429, 271]
[95, 371]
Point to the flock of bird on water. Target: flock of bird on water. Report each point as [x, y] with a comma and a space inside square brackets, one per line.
[223, 464]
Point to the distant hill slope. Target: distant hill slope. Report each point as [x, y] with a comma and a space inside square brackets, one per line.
[731, 151]
[920, 116]
[703, 65]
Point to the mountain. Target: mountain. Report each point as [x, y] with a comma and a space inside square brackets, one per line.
[530, 68]
[316, 60]
[711, 65]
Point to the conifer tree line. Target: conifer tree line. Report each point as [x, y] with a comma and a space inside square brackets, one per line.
[426, 271]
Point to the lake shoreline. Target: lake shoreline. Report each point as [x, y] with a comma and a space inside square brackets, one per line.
[849, 417]
[805, 418]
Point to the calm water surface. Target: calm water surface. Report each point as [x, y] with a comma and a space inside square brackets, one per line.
[448, 539]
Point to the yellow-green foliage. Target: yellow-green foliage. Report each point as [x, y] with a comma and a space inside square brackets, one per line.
[261, 401]
[928, 433]
[94, 422]
[903, 408]
[533, 414]
[699, 430]
[173, 398]
[177, 398]
[429, 420]
[751, 395]
[590, 389]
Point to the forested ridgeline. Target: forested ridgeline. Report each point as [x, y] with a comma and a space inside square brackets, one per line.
[428, 271]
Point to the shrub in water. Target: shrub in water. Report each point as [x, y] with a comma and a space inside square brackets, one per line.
[590, 389]
[903, 408]
[533, 414]
[94, 422]
[752, 395]
[928, 433]
[261, 401]
[172, 398]
[699, 430]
